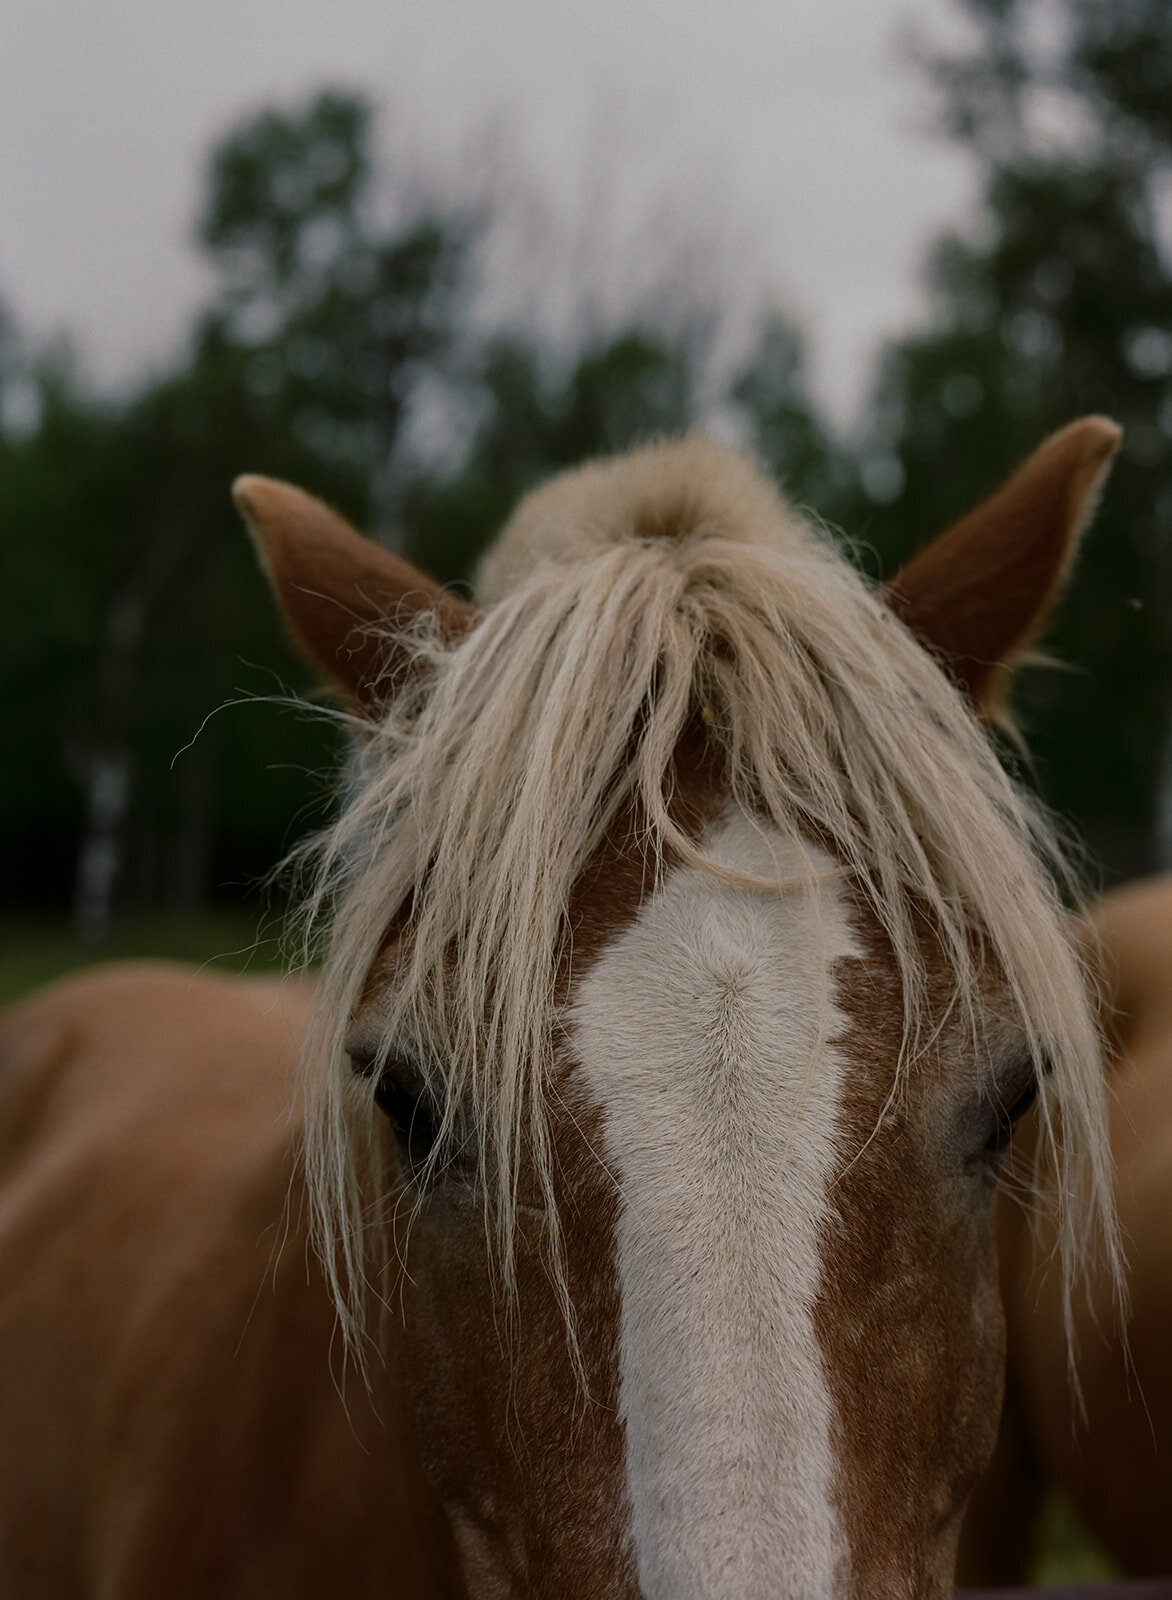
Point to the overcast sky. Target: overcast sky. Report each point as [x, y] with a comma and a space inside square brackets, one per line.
[789, 134]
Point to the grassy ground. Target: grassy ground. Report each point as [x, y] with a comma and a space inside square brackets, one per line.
[1067, 1553]
[33, 951]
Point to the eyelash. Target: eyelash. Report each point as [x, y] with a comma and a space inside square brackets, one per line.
[411, 1122]
[1005, 1124]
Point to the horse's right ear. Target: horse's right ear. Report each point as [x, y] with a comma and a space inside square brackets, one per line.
[978, 596]
[346, 599]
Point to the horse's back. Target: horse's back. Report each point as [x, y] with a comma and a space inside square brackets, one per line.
[171, 1424]
[138, 1046]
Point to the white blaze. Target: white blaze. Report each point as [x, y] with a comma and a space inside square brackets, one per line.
[703, 1032]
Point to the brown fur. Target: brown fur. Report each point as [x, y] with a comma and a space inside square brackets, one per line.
[934, 1350]
[173, 1422]
[1116, 1464]
[979, 594]
[198, 1443]
[343, 596]
[910, 1452]
[201, 1399]
[552, 1504]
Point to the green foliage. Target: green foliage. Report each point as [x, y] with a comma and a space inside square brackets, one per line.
[1060, 304]
[1120, 55]
[138, 607]
[328, 317]
[537, 416]
[1066, 1552]
[132, 772]
[341, 350]
[785, 428]
[282, 187]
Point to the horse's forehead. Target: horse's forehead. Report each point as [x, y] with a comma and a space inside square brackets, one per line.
[627, 865]
[738, 1048]
[701, 940]
[704, 1033]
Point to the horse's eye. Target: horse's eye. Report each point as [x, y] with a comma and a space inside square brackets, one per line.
[412, 1123]
[404, 1108]
[1005, 1121]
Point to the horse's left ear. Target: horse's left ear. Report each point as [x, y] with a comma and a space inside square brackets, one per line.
[346, 600]
[979, 594]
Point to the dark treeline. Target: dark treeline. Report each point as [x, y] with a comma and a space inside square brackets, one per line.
[341, 350]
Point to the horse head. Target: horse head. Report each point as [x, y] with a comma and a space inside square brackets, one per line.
[690, 958]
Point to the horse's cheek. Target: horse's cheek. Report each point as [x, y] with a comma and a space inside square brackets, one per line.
[478, 1376]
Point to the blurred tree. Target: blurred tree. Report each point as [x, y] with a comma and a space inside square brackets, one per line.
[784, 426]
[1120, 57]
[126, 590]
[537, 413]
[340, 315]
[342, 351]
[44, 642]
[1059, 303]
[136, 596]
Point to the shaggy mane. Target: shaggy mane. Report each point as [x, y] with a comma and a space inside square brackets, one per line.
[623, 600]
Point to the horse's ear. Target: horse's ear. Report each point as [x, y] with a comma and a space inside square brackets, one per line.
[345, 598]
[979, 594]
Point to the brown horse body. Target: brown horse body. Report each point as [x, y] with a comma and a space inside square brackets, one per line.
[1118, 1465]
[199, 1441]
[173, 1422]
[691, 962]
[1110, 1446]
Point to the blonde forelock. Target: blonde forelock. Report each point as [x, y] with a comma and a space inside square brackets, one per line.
[622, 601]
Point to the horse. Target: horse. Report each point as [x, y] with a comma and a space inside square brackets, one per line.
[689, 959]
[1098, 1430]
